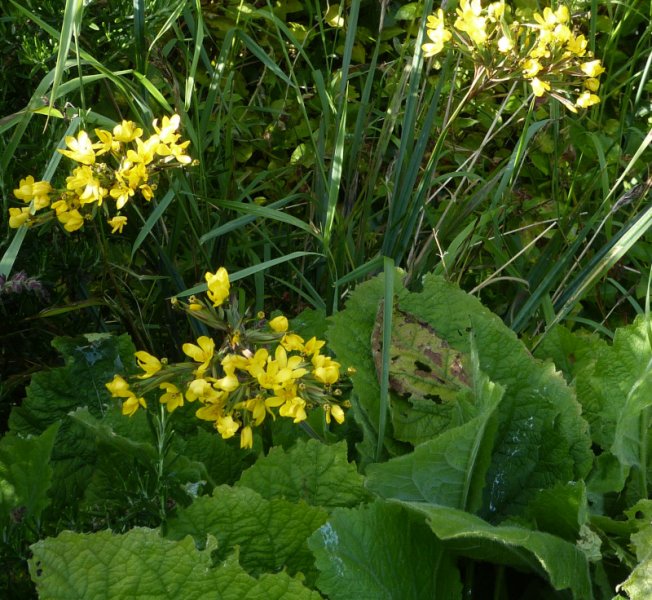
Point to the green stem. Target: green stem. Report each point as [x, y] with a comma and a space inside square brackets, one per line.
[645, 422]
[161, 451]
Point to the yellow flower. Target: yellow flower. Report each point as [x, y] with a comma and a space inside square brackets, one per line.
[117, 223]
[174, 150]
[18, 216]
[587, 99]
[202, 390]
[227, 427]
[294, 409]
[210, 412]
[86, 185]
[60, 206]
[144, 153]
[550, 19]
[577, 45]
[131, 405]
[292, 341]
[505, 44]
[127, 131]
[218, 286]
[81, 148]
[246, 437]
[562, 34]
[593, 68]
[148, 363]
[313, 346]
[39, 191]
[281, 371]
[121, 193]
[106, 143]
[71, 219]
[228, 383]
[437, 34]
[326, 370]
[496, 10]
[231, 362]
[119, 387]
[166, 133]
[539, 87]
[335, 411]
[201, 353]
[256, 364]
[173, 398]
[147, 191]
[279, 324]
[592, 84]
[259, 407]
[531, 67]
[470, 21]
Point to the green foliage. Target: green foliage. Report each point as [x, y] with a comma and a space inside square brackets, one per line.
[270, 534]
[140, 564]
[327, 146]
[465, 534]
[310, 471]
[51, 395]
[382, 551]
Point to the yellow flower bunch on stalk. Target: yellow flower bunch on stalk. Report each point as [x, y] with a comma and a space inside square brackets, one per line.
[546, 50]
[261, 370]
[111, 171]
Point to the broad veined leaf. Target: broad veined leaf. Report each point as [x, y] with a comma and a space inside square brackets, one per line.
[614, 390]
[271, 534]
[382, 552]
[90, 361]
[449, 469]
[316, 473]
[431, 381]
[560, 562]
[570, 351]
[639, 584]
[124, 466]
[25, 476]
[142, 565]
[541, 438]
[561, 510]
[619, 371]
[224, 462]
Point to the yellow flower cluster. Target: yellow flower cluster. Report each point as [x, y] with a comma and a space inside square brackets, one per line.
[118, 165]
[547, 52]
[267, 371]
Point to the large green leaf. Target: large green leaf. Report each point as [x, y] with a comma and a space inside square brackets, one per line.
[450, 469]
[615, 389]
[432, 382]
[224, 462]
[271, 534]
[125, 469]
[639, 584]
[25, 476]
[316, 473]
[382, 552]
[555, 559]
[570, 351]
[541, 439]
[613, 383]
[90, 361]
[142, 565]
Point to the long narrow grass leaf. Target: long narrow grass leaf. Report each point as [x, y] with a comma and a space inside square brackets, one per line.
[388, 310]
[250, 271]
